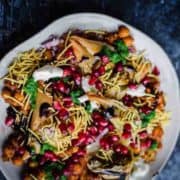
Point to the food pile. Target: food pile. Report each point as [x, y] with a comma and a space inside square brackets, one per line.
[84, 105]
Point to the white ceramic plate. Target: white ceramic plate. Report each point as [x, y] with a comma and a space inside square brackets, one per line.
[169, 80]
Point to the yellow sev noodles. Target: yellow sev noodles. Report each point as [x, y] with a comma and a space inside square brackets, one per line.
[51, 133]
[23, 66]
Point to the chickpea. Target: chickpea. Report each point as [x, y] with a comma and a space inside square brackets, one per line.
[73, 177]
[77, 169]
[128, 40]
[48, 55]
[9, 85]
[8, 151]
[123, 31]
[5, 92]
[19, 96]
[33, 164]
[17, 160]
[136, 150]
[41, 174]
[157, 132]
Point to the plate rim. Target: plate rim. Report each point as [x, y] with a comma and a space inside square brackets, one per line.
[101, 15]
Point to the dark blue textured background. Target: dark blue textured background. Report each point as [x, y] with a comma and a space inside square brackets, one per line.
[160, 19]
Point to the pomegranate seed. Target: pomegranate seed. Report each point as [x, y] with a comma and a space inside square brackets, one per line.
[126, 135]
[81, 152]
[63, 114]
[100, 129]
[96, 73]
[146, 81]
[21, 150]
[114, 138]
[74, 142]
[9, 121]
[43, 160]
[103, 122]
[82, 136]
[70, 127]
[133, 145]
[63, 128]
[104, 144]
[110, 127]
[99, 85]
[56, 105]
[75, 158]
[93, 130]
[92, 80]
[132, 86]
[127, 127]
[124, 150]
[61, 86]
[119, 67]
[117, 148]
[89, 140]
[127, 100]
[145, 109]
[77, 78]
[145, 144]
[73, 68]
[96, 115]
[67, 102]
[69, 53]
[67, 71]
[49, 155]
[67, 172]
[156, 71]
[105, 59]
[101, 70]
[143, 134]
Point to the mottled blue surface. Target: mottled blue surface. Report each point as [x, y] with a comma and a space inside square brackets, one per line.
[160, 19]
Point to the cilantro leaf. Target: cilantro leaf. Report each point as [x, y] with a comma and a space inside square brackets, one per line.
[31, 88]
[88, 107]
[154, 145]
[66, 79]
[121, 47]
[118, 55]
[51, 167]
[46, 147]
[75, 95]
[146, 118]
[63, 178]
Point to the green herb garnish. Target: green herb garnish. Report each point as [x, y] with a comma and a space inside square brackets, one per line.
[119, 55]
[31, 88]
[55, 166]
[154, 145]
[46, 147]
[88, 107]
[146, 118]
[66, 79]
[75, 95]
[63, 178]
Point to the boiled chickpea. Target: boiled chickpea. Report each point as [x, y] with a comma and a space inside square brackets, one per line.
[48, 55]
[8, 151]
[17, 160]
[123, 31]
[128, 40]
